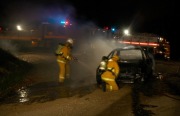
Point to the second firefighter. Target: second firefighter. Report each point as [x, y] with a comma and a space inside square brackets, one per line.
[111, 73]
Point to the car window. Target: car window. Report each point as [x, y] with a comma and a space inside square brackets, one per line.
[134, 54]
[115, 52]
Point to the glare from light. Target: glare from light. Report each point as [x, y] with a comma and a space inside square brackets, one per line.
[63, 22]
[161, 39]
[126, 32]
[19, 28]
[113, 29]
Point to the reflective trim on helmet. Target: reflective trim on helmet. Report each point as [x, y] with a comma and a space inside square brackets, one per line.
[70, 40]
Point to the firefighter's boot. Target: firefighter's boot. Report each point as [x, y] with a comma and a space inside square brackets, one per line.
[61, 79]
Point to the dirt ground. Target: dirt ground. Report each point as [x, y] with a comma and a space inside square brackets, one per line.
[130, 100]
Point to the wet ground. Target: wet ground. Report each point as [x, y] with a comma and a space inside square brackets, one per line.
[44, 92]
[41, 86]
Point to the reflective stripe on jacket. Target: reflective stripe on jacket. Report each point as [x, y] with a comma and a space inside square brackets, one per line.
[108, 79]
[60, 61]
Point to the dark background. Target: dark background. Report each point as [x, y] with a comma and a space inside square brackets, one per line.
[147, 16]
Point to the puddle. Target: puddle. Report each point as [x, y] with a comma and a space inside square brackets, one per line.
[48, 91]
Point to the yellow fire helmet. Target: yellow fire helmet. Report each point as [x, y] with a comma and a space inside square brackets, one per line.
[70, 40]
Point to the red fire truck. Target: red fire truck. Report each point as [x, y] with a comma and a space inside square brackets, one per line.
[159, 45]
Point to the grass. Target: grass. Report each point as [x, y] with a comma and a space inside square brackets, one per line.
[12, 71]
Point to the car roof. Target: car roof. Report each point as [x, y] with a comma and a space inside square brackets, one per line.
[128, 47]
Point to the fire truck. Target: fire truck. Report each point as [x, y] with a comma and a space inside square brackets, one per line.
[159, 46]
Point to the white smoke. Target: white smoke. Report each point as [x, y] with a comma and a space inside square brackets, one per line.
[9, 47]
[88, 47]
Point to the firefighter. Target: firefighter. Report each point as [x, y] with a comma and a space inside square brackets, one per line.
[111, 73]
[63, 60]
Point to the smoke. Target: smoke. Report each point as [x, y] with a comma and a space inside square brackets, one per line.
[89, 47]
[89, 50]
[9, 46]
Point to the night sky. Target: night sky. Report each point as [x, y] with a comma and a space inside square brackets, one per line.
[152, 16]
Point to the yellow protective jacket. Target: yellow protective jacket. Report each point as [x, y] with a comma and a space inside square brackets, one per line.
[112, 69]
[66, 54]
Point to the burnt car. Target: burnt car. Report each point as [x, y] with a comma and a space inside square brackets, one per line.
[135, 64]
